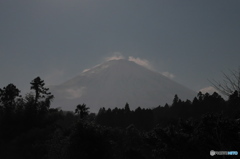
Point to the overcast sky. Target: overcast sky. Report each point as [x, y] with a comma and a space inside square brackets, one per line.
[192, 41]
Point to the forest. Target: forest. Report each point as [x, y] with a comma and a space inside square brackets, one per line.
[31, 129]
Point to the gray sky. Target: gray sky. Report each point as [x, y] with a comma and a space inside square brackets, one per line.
[57, 39]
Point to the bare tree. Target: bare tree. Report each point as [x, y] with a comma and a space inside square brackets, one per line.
[229, 84]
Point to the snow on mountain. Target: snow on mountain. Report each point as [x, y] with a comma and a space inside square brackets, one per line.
[116, 82]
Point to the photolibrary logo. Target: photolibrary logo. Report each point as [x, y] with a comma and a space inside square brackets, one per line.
[212, 152]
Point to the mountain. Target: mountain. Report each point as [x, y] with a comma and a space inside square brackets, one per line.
[113, 83]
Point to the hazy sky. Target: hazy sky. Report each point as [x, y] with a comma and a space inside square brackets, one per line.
[193, 41]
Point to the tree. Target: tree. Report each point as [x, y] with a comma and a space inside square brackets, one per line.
[230, 83]
[82, 110]
[127, 108]
[40, 90]
[8, 97]
[234, 104]
[166, 106]
[176, 100]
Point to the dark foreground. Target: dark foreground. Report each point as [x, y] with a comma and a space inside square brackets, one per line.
[30, 129]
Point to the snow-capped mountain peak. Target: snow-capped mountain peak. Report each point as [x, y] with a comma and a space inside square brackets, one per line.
[115, 82]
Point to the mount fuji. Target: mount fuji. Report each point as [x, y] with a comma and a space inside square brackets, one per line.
[115, 82]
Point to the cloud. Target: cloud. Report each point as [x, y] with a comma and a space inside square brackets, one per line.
[116, 56]
[168, 75]
[75, 93]
[209, 90]
[91, 70]
[86, 70]
[142, 62]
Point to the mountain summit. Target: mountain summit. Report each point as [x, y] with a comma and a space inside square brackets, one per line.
[113, 83]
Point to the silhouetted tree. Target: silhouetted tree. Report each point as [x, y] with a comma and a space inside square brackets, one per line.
[175, 100]
[230, 83]
[233, 105]
[82, 110]
[8, 97]
[40, 91]
[127, 108]
[166, 106]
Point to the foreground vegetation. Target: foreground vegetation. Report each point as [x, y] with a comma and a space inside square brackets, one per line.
[29, 128]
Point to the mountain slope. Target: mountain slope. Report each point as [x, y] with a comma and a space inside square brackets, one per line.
[116, 82]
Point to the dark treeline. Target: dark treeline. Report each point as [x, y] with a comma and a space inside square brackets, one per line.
[147, 119]
[30, 128]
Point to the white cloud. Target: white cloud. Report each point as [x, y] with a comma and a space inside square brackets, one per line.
[75, 93]
[116, 56]
[209, 90]
[86, 70]
[168, 75]
[91, 70]
[142, 62]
